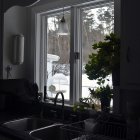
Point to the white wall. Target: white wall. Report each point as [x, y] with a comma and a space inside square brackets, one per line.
[15, 22]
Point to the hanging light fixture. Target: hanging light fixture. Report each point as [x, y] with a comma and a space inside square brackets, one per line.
[63, 27]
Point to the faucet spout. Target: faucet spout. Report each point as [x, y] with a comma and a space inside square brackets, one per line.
[55, 99]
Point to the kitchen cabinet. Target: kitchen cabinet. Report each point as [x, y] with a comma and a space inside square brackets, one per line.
[130, 42]
[2, 137]
[1, 37]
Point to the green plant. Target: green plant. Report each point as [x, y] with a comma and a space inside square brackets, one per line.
[103, 93]
[102, 63]
[105, 60]
[83, 104]
[106, 93]
[88, 103]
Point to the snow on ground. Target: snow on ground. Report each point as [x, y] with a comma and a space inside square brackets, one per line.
[86, 84]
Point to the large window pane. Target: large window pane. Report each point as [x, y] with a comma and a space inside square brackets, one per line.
[58, 53]
[96, 23]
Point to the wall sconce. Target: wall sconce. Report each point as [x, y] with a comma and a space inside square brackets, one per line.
[18, 52]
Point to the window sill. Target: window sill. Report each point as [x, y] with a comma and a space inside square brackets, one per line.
[59, 105]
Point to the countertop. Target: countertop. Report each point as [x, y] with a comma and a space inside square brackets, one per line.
[34, 110]
[8, 134]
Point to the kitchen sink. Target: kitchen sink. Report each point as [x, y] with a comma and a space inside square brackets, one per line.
[27, 124]
[52, 132]
[36, 128]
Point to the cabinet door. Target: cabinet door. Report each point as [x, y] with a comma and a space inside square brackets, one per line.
[130, 41]
[2, 137]
[1, 38]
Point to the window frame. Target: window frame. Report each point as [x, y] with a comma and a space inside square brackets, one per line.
[75, 64]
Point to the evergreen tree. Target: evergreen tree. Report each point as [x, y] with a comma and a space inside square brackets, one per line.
[106, 19]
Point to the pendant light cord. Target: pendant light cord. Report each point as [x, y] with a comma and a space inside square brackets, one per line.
[63, 19]
[63, 11]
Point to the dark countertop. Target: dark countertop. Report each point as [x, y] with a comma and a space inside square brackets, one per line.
[34, 110]
[7, 116]
[8, 134]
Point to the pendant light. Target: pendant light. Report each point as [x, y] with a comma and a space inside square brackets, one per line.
[63, 27]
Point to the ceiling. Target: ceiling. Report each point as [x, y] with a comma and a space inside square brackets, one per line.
[41, 2]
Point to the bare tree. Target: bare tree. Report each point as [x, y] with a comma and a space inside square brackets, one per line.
[93, 32]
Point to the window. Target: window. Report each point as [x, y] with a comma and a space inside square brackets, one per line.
[58, 55]
[96, 23]
[61, 60]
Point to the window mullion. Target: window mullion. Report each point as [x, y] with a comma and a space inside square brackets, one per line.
[72, 59]
[41, 68]
[45, 55]
[79, 45]
[37, 38]
[75, 61]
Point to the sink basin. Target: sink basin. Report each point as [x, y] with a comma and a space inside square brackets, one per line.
[27, 124]
[51, 132]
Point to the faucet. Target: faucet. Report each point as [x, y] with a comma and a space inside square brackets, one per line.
[55, 100]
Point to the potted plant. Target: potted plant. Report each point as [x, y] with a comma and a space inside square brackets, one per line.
[104, 62]
[84, 103]
[99, 67]
[105, 94]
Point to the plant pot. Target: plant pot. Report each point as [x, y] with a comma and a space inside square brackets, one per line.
[105, 104]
